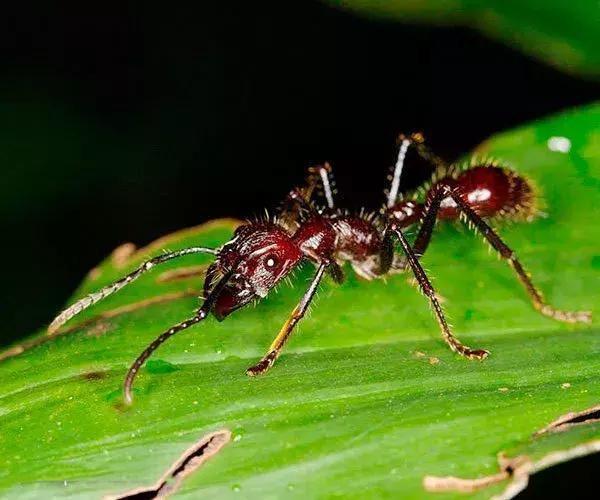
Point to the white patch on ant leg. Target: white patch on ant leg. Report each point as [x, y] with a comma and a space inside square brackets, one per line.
[448, 202]
[395, 187]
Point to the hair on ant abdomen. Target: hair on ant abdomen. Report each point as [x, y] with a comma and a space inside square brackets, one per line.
[261, 254]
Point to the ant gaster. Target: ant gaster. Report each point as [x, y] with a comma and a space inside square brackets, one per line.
[261, 254]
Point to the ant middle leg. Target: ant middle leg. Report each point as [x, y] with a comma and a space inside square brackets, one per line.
[286, 330]
[423, 239]
[417, 142]
[323, 175]
[301, 199]
[427, 288]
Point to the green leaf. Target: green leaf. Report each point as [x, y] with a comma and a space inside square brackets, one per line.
[563, 34]
[365, 401]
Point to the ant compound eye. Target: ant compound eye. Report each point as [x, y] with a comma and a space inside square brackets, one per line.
[271, 261]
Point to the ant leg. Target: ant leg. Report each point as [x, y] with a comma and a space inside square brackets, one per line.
[392, 193]
[92, 298]
[417, 141]
[429, 291]
[318, 175]
[424, 237]
[326, 179]
[286, 330]
[301, 199]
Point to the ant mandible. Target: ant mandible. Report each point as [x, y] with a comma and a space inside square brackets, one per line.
[261, 254]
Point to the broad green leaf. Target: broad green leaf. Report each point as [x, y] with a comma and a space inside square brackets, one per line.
[563, 34]
[365, 401]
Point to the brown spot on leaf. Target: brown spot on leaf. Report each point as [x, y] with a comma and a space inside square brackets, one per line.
[94, 273]
[13, 351]
[98, 329]
[432, 360]
[517, 470]
[167, 241]
[100, 320]
[451, 483]
[564, 422]
[182, 273]
[186, 464]
[95, 375]
[120, 256]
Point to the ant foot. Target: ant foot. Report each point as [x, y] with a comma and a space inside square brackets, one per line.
[567, 316]
[479, 354]
[263, 365]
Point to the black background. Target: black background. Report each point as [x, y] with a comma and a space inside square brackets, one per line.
[123, 123]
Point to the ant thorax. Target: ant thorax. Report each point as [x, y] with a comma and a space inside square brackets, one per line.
[360, 242]
[343, 238]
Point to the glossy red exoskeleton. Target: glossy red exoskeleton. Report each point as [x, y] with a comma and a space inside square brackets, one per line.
[261, 254]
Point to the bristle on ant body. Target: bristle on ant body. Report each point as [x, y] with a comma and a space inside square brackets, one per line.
[265, 252]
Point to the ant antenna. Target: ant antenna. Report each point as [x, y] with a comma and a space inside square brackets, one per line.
[200, 315]
[92, 298]
[395, 187]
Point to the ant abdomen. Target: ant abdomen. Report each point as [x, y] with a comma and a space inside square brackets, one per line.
[490, 190]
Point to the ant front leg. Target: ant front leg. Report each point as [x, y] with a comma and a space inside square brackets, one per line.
[421, 243]
[417, 141]
[429, 291]
[286, 330]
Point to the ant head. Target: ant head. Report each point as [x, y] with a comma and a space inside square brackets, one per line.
[262, 254]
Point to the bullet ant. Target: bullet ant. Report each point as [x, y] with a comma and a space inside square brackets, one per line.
[261, 254]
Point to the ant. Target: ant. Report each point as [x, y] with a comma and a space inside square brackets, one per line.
[262, 253]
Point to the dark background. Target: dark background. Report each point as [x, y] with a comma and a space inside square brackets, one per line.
[122, 123]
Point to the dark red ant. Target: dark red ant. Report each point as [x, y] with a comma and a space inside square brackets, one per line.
[261, 254]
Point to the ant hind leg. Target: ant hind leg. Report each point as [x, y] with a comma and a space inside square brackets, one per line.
[424, 237]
